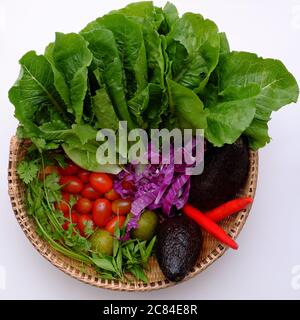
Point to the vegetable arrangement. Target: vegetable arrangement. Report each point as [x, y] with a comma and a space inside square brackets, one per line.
[154, 69]
[81, 216]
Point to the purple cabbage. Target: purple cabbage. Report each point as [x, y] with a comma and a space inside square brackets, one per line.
[156, 186]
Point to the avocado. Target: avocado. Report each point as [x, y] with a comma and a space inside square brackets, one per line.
[179, 242]
[225, 172]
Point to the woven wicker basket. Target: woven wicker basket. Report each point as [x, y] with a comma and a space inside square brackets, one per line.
[212, 250]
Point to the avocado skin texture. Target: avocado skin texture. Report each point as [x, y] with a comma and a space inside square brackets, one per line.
[225, 172]
[179, 242]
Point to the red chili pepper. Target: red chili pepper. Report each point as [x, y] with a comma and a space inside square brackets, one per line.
[209, 225]
[228, 208]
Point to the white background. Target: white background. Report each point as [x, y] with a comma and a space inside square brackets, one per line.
[270, 241]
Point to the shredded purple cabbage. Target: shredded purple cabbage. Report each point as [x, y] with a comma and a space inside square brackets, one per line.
[156, 186]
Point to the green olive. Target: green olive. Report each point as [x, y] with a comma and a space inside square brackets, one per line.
[147, 226]
[102, 242]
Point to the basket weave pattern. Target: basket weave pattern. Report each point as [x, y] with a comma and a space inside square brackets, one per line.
[211, 250]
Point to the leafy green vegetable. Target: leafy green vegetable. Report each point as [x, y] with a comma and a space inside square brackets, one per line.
[35, 98]
[228, 120]
[193, 46]
[262, 83]
[181, 100]
[69, 58]
[107, 64]
[86, 158]
[152, 68]
[171, 14]
[27, 171]
[104, 110]
[257, 133]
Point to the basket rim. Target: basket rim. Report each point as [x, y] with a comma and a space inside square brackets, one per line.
[59, 260]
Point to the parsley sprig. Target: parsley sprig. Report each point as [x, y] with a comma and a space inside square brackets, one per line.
[27, 171]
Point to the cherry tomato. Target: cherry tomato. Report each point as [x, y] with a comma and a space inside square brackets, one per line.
[74, 212]
[110, 226]
[90, 193]
[101, 212]
[101, 182]
[121, 206]
[85, 223]
[84, 206]
[74, 219]
[83, 175]
[70, 170]
[128, 185]
[65, 196]
[71, 184]
[46, 171]
[63, 204]
[112, 195]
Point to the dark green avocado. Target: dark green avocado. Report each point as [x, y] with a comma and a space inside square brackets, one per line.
[225, 172]
[179, 242]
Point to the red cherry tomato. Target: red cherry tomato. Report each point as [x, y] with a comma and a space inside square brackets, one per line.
[101, 212]
[101, 182]
[83, 175]
[71, 184]
[74, 220]
[70, 170]
[85, 223]
[110, 226]
[112, 195]
[46, 171]
[121, 206]
[90, 193]
[65, 196]
[84, 206]
[63, 205]
[74, 212]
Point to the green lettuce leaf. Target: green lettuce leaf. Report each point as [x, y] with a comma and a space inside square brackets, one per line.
[266, 81]
[85, 157]
[171, 14]
[107, 62]
[70, 57]
[224, 44]
[228, 120]
[150, 19]
[104, 110]
[187, 107]
[257, 133]
[193, 47]
[150, 103]
[34, 96]
[143, 11]
[130, 42]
